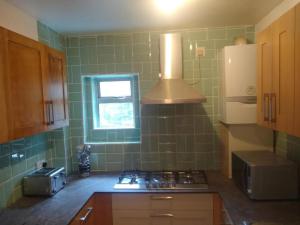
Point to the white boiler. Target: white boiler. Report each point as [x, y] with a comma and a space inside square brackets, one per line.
[238, 84]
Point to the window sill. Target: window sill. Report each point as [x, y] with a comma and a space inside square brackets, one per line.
[113, 143]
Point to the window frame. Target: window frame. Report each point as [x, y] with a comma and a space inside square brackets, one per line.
[102, 100]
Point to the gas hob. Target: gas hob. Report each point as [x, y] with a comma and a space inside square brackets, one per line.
[136, 179]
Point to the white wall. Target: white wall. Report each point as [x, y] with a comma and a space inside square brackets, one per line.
[275, 13]
[16, 20]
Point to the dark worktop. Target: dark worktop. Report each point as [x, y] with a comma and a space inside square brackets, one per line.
[61, 208]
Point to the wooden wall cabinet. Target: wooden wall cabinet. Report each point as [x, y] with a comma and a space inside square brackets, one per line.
[55, 99]
[3, 105]
[264, 77]
[297, 73]
[276, 74]
[24, 74]
[33, 94]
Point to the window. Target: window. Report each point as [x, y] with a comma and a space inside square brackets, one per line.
[115, 105]
[111, 109]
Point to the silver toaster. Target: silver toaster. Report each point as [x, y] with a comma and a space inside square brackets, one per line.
[45, 181]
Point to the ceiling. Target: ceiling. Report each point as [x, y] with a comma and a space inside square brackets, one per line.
[69, 16]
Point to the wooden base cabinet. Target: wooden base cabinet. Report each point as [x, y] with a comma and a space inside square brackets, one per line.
[151, 209]
[97, 211]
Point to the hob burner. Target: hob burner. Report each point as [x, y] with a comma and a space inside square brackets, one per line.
[137, 179]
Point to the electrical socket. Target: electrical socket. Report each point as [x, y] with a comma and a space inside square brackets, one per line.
[39, 164]
[200, 51]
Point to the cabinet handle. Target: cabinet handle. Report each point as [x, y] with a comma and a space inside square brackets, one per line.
[266, 107]
[273, 111]
[52, 112]
[162, 215]
[48, 117]
[161, 197]
[85, 217]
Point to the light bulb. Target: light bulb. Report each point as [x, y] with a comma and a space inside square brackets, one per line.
[169, 6]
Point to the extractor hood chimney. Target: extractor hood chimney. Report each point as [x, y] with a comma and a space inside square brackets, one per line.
[171, 88]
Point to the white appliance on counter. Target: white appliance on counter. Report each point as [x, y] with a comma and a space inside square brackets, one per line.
[238, 129]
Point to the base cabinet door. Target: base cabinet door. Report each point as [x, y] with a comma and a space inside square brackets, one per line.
[56, 109]
[86, 216]
[24, 73]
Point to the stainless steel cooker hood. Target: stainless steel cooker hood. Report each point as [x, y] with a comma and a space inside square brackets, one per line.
[171, 88]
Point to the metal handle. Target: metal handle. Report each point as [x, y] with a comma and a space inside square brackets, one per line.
[84, 218]
[266, 107]
[162, 215]
[48, 116]
[273, 112]
[161, 197]
[52, 112]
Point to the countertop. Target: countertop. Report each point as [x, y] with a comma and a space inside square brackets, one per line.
[62, 207]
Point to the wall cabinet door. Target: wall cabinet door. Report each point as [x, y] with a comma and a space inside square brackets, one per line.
[264, 77]
[282, 99]
[56, 108]
[276, 74]
[24, 71]
[3, 105]
[297, 73]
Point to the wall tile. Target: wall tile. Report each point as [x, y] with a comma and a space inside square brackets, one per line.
[173, 137]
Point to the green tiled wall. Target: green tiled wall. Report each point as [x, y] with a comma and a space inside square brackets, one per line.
[50, 37]
[18, 158]
[173, 136]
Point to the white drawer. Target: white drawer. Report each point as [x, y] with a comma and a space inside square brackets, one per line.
[163, 217]
[162, 201]
[193, 202]
[128, 201]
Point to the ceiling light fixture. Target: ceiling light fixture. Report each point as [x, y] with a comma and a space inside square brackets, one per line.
[169, 6]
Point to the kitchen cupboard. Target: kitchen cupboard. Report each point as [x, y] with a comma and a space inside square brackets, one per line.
[151, 208]
[3, 107]
[24, 74]
[264, 76]
[97, 211]
[32, 87]
[275, 74]
[87, 214]
[297, 73]
[55, 99]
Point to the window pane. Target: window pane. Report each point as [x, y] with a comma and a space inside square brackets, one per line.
[116, 115]
[115, 89]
